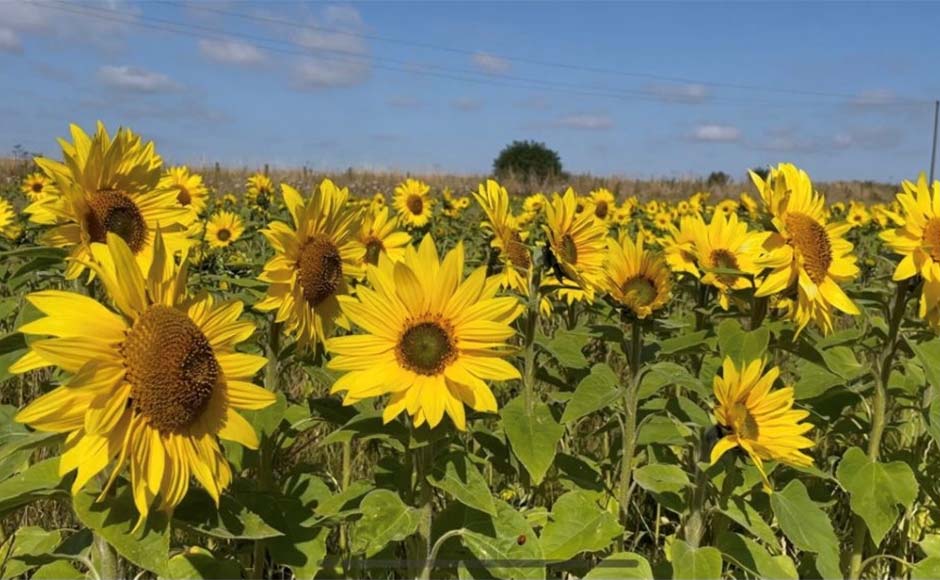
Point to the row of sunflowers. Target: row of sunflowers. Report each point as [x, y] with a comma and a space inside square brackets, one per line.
[462, 385]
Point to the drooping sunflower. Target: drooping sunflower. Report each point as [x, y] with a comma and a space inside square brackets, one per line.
[808, 258]
[508, 238]
[637, 278]
[154, 385]
[725, 244]
[312, 263]
[190, 191]
[918, 237]
[378, 234]
[760, 421]
[224, 227]
[412, 203]
[259, 191]
[9, 228]
[431, 340]
[578, 244]
[603, 204]
[111, 186]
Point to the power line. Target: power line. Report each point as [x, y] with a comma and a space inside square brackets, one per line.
[522, 60]
[509, 81]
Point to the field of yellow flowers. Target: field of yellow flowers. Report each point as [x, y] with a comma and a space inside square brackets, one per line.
[289, 382]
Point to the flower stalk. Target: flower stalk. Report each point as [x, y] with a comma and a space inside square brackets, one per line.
[634, 351]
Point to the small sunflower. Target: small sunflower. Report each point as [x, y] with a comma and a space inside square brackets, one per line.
[727, 207]
[377, 235]
[577, 242]
[918, 237]
[224, 227]
[725, 244]
[110, 186]
[259, 190]
[412, 203]
[38, 186]
[312, 263]
[603, 204]
[749, 204]
[9, 227]
[190, 191]
[432, 338]
[808, 258]
[508, 238]
[638, 279]
[153, 386]
[858, 215]
[758, 420]
[662, 221]
[377, 203]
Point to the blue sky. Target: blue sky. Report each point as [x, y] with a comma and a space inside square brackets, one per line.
[635, 89]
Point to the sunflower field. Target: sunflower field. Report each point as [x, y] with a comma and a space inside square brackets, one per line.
[285, 381]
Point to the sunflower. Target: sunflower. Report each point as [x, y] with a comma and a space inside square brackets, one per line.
[412, 203]
[761, 422]
[377, 235]
[37, 186]
[110, 185]
[9, 227]
[749, 204]
[377, 203]
[637, 278]
[727, 207]
[312, 262]
[808, 258]
[190, 191]
[259, 190]
[224, 227]
[918, 237]
[431, 338]
[663, 220]
[153, 385]
[577, 242]
[603, 204]
[725, 244]
[508, 238]
[679, 248]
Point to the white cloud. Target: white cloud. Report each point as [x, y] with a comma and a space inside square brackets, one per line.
[586, 122]
[135, 79]
[876, 138]
[231, 52]
[339, 55]
[715, 133]
[9, 41]
[679, 93]
[102, 24]
[490, 63]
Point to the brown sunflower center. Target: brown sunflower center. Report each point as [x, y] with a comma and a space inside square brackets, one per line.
[184, 197]
[932, 237]
[426, 348]
[601, 208]
[641, 289]
[569, 249]
[518, 253]
[415, 204]
[224, 235]
[115, 212]
[374, 249]
[743, 423]
[37, 187]
[811, 240]
[171, 368]
[726, 260]
[320, 269]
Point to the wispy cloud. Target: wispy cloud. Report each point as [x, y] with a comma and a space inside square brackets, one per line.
[9, 41]
[129, 78]
[339, 54]
[403, 102]
[715, 133]
[231, 52]
[870, 138]
[585, 122]
[678, 93]
[490, 63]
[874, 98]
[467, 104]
[104, 25]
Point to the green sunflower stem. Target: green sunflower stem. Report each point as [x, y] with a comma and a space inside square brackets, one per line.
[272, 349]
[628, 425]
[879, 410]
[531, 327]
[105, 559]
[694, 527]
[425, 506]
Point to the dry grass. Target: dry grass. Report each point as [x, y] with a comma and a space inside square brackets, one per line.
[227, 179]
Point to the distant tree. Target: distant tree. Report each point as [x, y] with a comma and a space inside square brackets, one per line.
[527, 159]
[718, 179]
